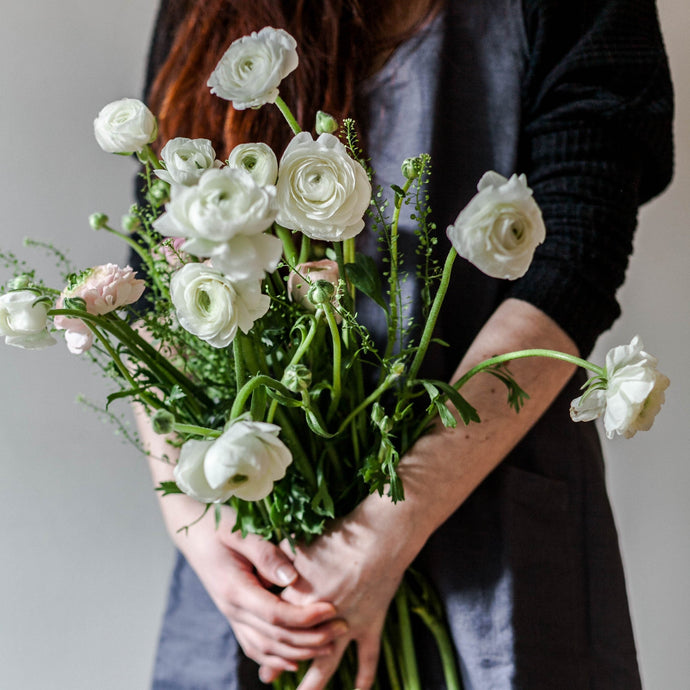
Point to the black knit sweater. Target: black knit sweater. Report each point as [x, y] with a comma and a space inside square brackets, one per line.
[595, 142]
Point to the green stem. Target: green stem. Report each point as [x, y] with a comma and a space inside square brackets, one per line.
[150, 400]
[239, 362]
[522, 354]
[409, 658]
[433, 316]
[389, 658]
[196, 430]
[394, 288]
[304, 249]
[445, 648]
[371, 398]
[289, 249]
[287, 114]
[148, 157]
[249, 387]
[296, 358]
[301, 460]
[337, 357]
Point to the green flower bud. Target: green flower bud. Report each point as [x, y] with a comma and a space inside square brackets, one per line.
[159, 192]
[20, 282]
[380, 419]
[321, 292]
[130, 222]
[325, 123]
[411, 167]
[163, 422]
[297, 378]
[98, 221]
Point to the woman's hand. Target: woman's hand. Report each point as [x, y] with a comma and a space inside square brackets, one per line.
[357, 566]
[238, 574]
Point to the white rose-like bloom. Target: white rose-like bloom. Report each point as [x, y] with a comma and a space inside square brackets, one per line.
[321, 190]
[633, 395]
[24, 322]
[224, 203]
[125, 126]
[252, 68]
[258, 160]
[212, 307]
[245, 462]
[500, 228]
[186, 159]
[248, 257]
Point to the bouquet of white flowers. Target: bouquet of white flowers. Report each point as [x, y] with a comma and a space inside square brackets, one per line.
[249, 352]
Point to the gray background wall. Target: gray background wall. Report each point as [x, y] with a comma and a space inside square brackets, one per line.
[84, 557]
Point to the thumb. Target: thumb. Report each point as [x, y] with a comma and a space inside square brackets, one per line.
[270, 562]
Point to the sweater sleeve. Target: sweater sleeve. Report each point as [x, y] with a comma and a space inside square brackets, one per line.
[596, 142]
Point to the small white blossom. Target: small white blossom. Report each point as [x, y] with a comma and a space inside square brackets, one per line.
[321, 190]
[24, 321]
[212, 307]
[245, 461]
[500, 228]
[258, 160]
[250, 71]
[125, 126]
[225, 203]
[186, 159]
[632, 397]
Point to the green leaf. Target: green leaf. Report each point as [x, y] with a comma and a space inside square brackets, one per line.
[465, 410]
[283, 399]
[364, 275]
[168, 488]
[129, 392]
[445, 414]
[316, 425]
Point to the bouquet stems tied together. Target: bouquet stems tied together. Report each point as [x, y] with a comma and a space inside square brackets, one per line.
[248, 348]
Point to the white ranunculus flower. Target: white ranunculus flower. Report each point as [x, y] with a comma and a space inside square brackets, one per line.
[258, 160]
[633, 394]
[500, 228]
[248, 257]
[225, 203]
[23, 321]
[125, 126]
[245, 461]
[252, 68]
[321, 190]
[186, 159]
[212, 307]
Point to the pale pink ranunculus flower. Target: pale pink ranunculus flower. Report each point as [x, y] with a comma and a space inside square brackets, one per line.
[104, 289]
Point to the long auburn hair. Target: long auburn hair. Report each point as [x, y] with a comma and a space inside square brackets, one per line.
[338, 42]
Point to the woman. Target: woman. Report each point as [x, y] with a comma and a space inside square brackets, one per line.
[510, 517]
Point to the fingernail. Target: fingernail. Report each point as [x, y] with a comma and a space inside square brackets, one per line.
[340, 628]
[286, 574]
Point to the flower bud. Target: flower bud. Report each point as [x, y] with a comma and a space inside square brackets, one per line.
[159, 192]
[163, 422]
[321, 292]
[98, 221]
[297, 377]
[411, 167]
[20, 282]
[380, 419]
[325, 123]
[130, 222]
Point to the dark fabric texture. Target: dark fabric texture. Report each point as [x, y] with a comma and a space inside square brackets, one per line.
[576, 96]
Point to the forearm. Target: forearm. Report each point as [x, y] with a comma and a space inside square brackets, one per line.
[443, 468]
